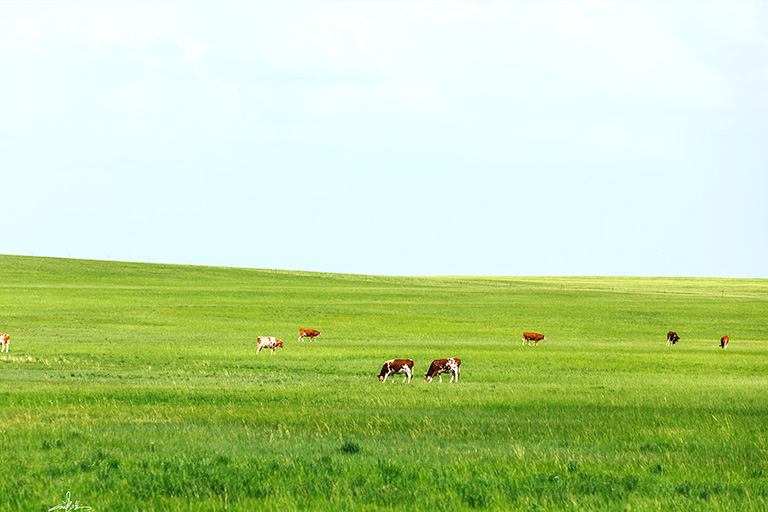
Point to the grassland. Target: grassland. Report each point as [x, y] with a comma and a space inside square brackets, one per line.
[137, 387]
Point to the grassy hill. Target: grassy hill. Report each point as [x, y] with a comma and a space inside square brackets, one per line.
[137, 387]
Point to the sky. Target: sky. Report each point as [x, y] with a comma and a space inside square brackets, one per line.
[391, 138]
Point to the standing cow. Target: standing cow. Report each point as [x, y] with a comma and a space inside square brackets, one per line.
[724, 341]
[533, 336]
[269, 342]
[396, 366]
[440, 366]
[311, 333]
[672, 338]
[5, 344]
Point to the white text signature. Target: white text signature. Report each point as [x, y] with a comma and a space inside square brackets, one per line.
[67, 505]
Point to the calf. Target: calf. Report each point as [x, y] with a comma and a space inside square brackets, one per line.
[5, 345]
[396, 366]
[269, 342]
[672, 338]
[533, 336]
[723, 341]
[308, 332]
[440, 366]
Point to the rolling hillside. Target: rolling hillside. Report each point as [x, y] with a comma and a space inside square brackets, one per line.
[137, 387]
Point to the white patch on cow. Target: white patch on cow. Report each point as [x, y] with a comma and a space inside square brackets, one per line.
[454, 368]
[407, 371]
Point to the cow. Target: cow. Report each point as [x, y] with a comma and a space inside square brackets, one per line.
[672, 338]
[269, 342]
[5, 345]
[533, 336]
[308, 332]
[440, 366]
[396, 366]
[723, 341]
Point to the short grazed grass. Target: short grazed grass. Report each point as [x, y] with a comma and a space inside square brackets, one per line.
[137, 387]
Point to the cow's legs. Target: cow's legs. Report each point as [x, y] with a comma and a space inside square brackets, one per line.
[258, 350]
[407, 374]
[385, 378]
[440, 376]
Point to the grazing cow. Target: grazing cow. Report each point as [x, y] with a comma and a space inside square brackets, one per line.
[269, 342]
[5, 345]
[396, 366]
[723, 341]
[533, 336]
[440, 366]
[308, 332]
[672, 338]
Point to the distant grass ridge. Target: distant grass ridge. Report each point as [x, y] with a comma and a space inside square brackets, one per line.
[136, 387]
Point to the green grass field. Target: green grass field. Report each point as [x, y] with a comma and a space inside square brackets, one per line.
[138, 387]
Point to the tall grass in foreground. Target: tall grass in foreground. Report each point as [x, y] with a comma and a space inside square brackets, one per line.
[137, 387]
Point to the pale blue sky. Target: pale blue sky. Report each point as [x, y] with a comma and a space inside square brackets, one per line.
[401, 138]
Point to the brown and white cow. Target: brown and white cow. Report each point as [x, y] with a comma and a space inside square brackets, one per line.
[396, 366]
[5, 344]
[672, 338]
[439, 366]
[311, 333]
[533, 336]
[269, 342]
[724, 341]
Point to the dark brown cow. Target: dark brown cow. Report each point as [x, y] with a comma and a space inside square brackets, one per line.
[311, 333]
[5, 344]
[724, 341]
[269, 342]
[396, 366]
[439, 366]
[533, 336]
[672, 338]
